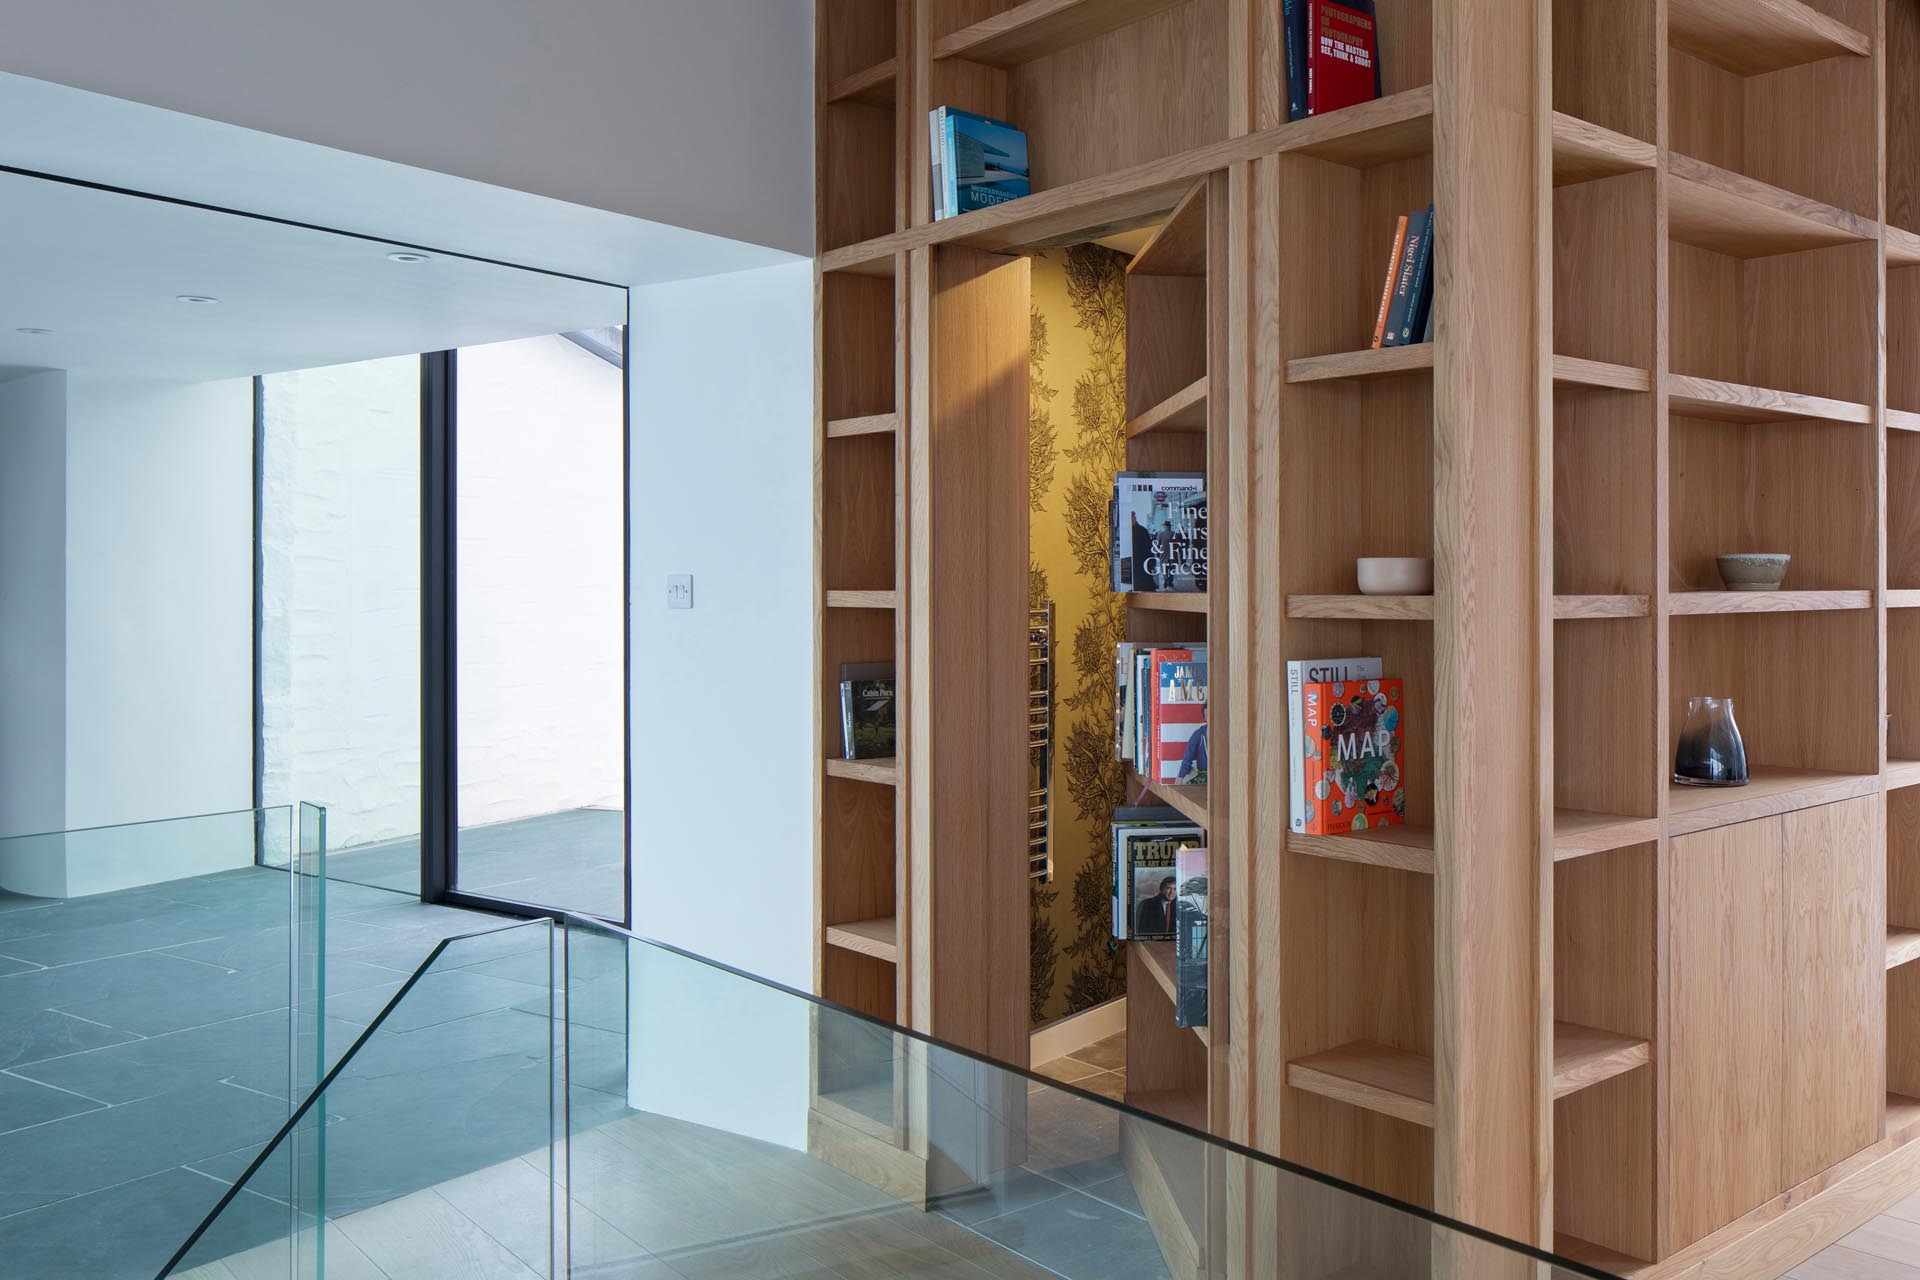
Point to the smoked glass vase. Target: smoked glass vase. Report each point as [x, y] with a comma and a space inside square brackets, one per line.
[1711, 753]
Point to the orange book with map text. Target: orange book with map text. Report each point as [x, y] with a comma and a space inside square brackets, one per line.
[1354, 735]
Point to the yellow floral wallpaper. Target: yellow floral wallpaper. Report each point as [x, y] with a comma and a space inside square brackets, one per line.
[1076, 444]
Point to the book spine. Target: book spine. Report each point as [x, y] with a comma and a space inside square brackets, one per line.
[1296, 763]
[1309, 25]
[1293, 19]
[935, 164]
[951, 186]
[846, 719]
[1403, 286]
[1386, 290]
[1418, 308]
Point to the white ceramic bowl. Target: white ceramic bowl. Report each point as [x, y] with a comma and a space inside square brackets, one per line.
[1394, 575]
[1753, 570]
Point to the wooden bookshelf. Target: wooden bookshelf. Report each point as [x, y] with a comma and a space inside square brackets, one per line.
[1570, 1001]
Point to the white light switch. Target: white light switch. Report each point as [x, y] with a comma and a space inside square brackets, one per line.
[679, 591]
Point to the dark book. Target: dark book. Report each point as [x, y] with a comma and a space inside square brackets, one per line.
[867, 710]
[1190, 938]
[1343, 66]
[1293, 16]
[1421, 303]
[1403, 287]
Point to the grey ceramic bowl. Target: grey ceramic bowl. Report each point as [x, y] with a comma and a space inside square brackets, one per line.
[1753, 570]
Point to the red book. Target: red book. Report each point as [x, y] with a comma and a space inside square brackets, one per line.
[1386, 293]
[1343, 66]
[1353, 757]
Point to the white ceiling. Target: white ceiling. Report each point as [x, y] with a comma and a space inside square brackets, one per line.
[103, 271]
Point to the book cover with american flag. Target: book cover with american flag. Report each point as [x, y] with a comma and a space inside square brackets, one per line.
[1179, 684]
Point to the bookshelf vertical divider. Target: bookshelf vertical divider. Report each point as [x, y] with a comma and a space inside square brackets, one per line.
[1666, 1031]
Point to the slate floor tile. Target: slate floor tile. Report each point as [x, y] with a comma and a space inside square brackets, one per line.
[85, 1152]
[127, 1231]
[27, 1102]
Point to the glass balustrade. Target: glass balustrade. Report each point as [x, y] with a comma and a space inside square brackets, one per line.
[642, 1113]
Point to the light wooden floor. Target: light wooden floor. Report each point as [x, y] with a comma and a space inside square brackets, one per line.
[1887, 1248]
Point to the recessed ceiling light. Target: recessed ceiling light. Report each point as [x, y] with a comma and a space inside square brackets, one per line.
[196, 299]
[38, 333]
[404, 255]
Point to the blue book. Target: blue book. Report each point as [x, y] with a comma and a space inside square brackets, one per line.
[1403, 287]
[1293, 18]
[985, 161]
[1420, 307]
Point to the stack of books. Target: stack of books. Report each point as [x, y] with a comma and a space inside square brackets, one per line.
[1158, 521]
[1406, 299]
[1160, 711]
[1346, 727]
[977, 161]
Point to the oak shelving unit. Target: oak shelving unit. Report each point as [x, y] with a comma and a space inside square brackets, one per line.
[1669, 1031]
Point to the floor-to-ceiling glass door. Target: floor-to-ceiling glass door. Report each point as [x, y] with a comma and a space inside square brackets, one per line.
[525, 696]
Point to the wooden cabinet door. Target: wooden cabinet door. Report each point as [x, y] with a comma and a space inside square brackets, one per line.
[1729, 1006]
[1777, 958]
[1835, 982]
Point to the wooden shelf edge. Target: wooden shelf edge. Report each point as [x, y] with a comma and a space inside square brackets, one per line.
[1374, 362]
[1362, 608]
[1184, 410]
[1166, 601]
[1903, 945]
[863, 599]
[1362, 1073]
[1399, 1083]
[1583, 151]
[1584, 1056]
[1400, 847]
[1780, 791]
[1696, 603]
[1692, 397]
[1901, 598]
[1902, 773]
[883, 770]
[1577, 832]
[1730, 213]
[1903, 247]
[1385, 129]
[1753, 39]
[869, 425]
[1902, 420]
[1574, 371]
[874, 86]
[1040, 27]
[1569, 608]
[1190, 800]
[1178, 247]
[878, 938]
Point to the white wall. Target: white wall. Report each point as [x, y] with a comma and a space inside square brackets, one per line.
[689, 112]
[340, 635]
[159, 599]
[33, 614]
[722, 377]
[539, 522]
[126, 596]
